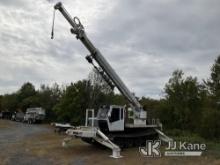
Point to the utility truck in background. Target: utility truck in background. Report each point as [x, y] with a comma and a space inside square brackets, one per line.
[34, 115]
[115, 126]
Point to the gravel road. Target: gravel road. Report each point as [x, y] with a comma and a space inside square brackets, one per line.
[13, 136]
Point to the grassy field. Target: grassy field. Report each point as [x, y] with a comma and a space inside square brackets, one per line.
[212, 146]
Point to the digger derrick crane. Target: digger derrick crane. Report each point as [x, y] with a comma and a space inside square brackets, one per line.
[112, 126]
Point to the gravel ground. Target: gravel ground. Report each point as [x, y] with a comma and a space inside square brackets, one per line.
[13, 136]
[24, 144]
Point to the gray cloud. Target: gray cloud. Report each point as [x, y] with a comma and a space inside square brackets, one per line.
[143, 40]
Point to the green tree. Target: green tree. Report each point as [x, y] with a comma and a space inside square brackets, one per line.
[117, 99]
[210, 126]
[152, 107]
[26, 90]
[74, 102]
[48, 97]
[26, 96]
[213, 83]
[183, 102]
[10, 102]
[31, 101]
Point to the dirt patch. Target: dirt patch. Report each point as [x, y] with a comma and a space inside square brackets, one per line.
[4, 124]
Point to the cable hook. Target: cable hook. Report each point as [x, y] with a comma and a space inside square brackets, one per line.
[52, 31]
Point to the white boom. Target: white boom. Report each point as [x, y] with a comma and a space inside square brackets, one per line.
[78, 30]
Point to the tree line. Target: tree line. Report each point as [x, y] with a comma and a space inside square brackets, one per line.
[187, 105]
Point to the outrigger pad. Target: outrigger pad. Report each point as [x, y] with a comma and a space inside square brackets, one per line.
[116, 154]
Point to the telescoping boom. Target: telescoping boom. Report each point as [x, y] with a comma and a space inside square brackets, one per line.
[78, 30]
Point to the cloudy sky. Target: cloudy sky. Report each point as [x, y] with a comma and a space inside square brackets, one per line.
[144, 41]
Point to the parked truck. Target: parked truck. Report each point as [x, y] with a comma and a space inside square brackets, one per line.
[34, 115]
[18, 116]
